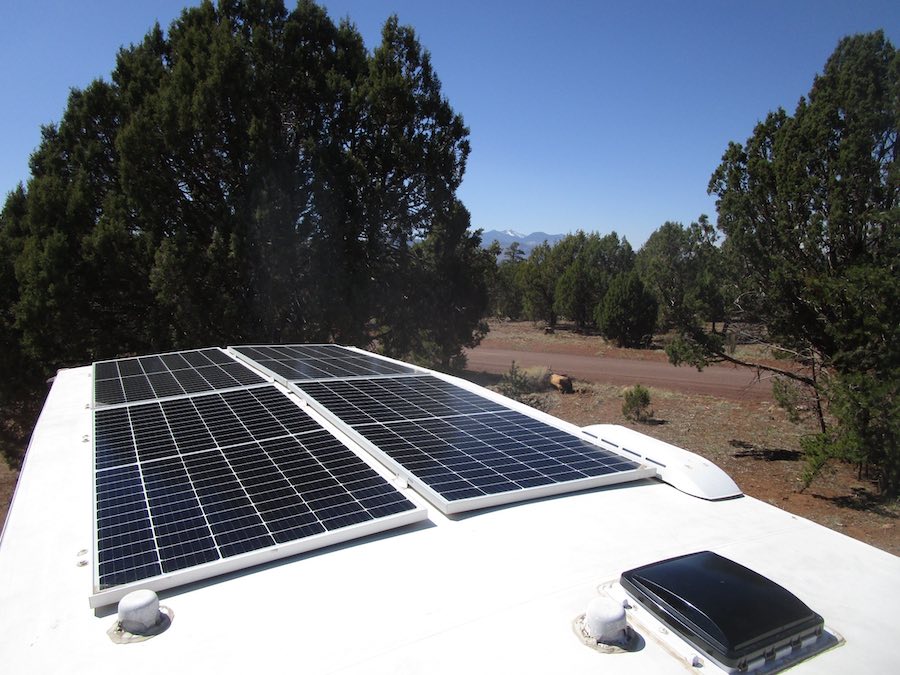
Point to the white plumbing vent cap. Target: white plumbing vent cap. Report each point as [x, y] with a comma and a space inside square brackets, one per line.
[605, 621]
[139, 612]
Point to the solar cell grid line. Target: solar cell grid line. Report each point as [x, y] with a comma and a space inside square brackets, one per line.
[463, 450]
[115, 442]
[161, 376]
[183, 534]
[126, 550]
[192, 487]
[359, 402]
[261, 411]
[281, 506]
[237, 525]
[292, 363]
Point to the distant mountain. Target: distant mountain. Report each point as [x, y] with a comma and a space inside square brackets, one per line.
[526, 241]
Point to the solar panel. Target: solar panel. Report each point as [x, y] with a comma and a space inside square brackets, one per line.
[358, 402]
[159, 376]
[197, 486]
[463, 450]
[294, 363]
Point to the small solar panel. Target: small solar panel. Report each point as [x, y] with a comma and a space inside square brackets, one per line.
[294, 363]
[463, 450]
[146, 378]
[192, 483]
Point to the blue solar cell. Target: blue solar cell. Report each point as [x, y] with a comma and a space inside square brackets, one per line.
[147, 378]
[359, 402]
[125, 547]
[153, 440]
[459, 444]
[115, 444]
[313, 362]
[193, 480]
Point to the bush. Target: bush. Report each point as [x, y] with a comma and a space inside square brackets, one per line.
[525, 385]
[637, 404]
[518, 382]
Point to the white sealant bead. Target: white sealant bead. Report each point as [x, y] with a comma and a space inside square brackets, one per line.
[605, 620]
[139, 611]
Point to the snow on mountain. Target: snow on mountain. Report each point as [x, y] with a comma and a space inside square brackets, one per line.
[526, 241]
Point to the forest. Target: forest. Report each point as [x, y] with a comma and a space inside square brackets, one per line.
[256, 175]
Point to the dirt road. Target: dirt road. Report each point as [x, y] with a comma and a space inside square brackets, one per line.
[721, 381]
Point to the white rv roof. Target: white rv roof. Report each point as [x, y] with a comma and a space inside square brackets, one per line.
[495, 590]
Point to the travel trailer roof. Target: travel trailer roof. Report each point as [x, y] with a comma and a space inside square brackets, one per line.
[499, 588]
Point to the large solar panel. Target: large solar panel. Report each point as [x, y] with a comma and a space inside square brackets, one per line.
[147, 378]
[463, 450]
[293, 363]
[193, 487]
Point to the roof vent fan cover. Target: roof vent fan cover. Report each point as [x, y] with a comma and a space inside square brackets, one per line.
[728, 611]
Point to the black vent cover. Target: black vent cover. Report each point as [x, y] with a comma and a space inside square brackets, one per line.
[724, 609]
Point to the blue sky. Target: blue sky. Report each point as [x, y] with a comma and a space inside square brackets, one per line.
[583, 115]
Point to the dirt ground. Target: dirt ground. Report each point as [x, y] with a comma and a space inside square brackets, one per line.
[752, 440]
[16, 424]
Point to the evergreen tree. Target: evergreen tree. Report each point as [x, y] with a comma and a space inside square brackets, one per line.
[452, 295]
[537, 277]
[591, 262]
[507, 297]
[683, 268]
[810, 206]
[627, 314]
[252, 175]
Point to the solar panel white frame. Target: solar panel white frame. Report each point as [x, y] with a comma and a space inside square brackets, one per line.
[223, 565]
[449, 507]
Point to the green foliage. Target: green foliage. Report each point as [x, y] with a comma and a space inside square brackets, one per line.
[867, 409]
[252, 175]
[575, 293]
[525, 385]
[507, 297]
[683, 268]
[451, 297]
[537, 278]
[637, 404]
[789, 397]
[810, 206]
[683, 350]
[589, 263]
[628, 312]
[570, 278]
[20, 373]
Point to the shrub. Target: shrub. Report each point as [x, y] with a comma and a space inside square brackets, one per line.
[517, 381]
[525, 385]
[637, 404]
